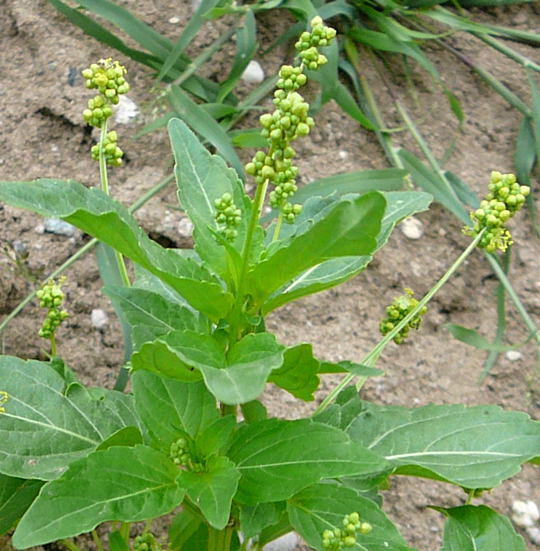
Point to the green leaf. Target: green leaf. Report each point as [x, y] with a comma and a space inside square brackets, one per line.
[479, 528]
[337, 270]
[250, 138]
[183, 526]
[347, 366]
[322, 507]
[197, 118]
[117, 542]
[168, 407]
[213, 489]
[474, 447]
[150, 315]
[525, 151]
[216, 438]
[255, 518]
[202, 178]
[299, 372]
[102, 217]
[16, 495]
[278, 458]
[433, 184]
[350, 228]
[118, 484]
[254, 411]
[43, 429]
[128, 436]
[473, 338]
[233, 379]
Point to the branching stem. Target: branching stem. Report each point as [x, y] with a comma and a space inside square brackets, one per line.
[379, 347]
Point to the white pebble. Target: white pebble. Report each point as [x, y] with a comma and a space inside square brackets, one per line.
[174, 20]
[525, 513]
[534, 534]
[126, 111]
[412, 228]
[59, 227]
[99, 318]
[343, 154]
[253, 73]
[285, 543]
[185, 227]
[513, 355]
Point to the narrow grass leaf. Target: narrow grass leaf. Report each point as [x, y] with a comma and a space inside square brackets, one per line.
[478, 528]
[473, 338]
[118, 484]
[198, 119]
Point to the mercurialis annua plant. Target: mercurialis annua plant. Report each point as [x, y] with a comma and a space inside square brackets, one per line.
[190, 441]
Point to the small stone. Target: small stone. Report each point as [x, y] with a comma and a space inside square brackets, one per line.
[534, 534]
[285, 543]
[253, 73]
[54, 148]
[185, 227]
[174, 20]
[343, 155]
[99, 318]
[525, 513]
[59, 227]
[412, 228]
[513, 355]
[126, 110]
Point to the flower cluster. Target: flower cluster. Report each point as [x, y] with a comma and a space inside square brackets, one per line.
[181, 455]
[401, 307]
[51, 296]
[336, 539]
[228, 216]
[113, 154]
[504, 199]
[107, 76]
[289, 121]
[146, 542]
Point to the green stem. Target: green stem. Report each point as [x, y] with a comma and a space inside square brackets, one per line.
[257, 206]
[97, 541]
[371, 357]
[220, 540]
[81, 252]
[53, 345]
[70, 544]
[105, 187]
[124, 530]
[277, 228]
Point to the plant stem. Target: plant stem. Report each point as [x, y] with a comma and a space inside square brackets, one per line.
[124, 530]
[53, 345]
[105, 187]
[70, 544]
[97, 540]
[370, 358]
[257, 205]
[82, 251]
[277, 228]
[220, 540]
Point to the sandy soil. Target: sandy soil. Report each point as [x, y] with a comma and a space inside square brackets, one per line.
[42, 134]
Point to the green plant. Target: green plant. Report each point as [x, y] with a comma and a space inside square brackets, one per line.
[73, 457]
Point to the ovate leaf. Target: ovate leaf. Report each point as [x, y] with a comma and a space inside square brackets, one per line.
[278, 458]
[118, 484]
[202, 178]
[213, 489]
[102, 217]
[42, 429]
[322, 507]
[16, 495]
[299, 372]
[474, 447]
[479, 528]
[168, 407]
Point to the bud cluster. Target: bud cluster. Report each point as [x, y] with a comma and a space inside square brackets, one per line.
[504, 199]
[181, 455]
[289, 121]
[227, 216]
[146, 542]
[338, 538]
[51, 296]
[107, 76]
[400, 307]
[113, 154]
